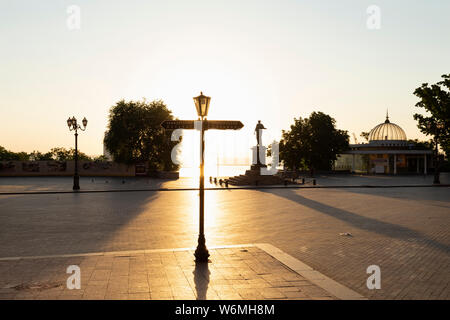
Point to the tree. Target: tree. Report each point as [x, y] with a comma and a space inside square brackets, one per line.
[365, 135]
[58, 153]
[312, 143]
[100, 158]
[39, 156]
[62, 154]
[6, 155]
[435, 99]
[422, 145]
[135, 134]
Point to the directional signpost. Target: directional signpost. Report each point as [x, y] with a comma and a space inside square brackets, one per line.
[178, 124]
[202, 105]
[208, 124]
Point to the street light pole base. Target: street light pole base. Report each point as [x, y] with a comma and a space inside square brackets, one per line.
[201, 253]
[436, 179]
[76, 183]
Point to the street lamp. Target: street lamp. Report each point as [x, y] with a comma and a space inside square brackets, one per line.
[202, 106]
[437, 126]
[74, 126]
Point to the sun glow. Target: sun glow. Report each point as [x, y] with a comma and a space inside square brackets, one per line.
[213, 212]
[223, 149]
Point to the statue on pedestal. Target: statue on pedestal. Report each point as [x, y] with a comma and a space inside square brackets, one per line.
[259, 173]
[258, 131]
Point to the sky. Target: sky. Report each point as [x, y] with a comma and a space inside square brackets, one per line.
[257, 60]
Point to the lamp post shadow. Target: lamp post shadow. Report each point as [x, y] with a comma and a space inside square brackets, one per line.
[201, 279]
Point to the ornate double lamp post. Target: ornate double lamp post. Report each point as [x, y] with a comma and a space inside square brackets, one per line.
[74, 126]
[202, 106]
[437, 126]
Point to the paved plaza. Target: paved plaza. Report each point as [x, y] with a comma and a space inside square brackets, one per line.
[49, 184]
[338, 232]
[244, 272]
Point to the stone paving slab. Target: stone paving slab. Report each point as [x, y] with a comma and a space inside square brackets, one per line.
[235, 272]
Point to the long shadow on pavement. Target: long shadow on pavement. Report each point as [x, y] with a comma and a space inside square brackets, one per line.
[436, 194]
[361, 222]
[201, 279]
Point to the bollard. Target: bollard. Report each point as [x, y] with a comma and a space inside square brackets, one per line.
[303, 180]
[314, 182]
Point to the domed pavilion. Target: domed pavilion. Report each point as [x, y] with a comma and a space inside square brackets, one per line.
[387, 132]
[388, 151]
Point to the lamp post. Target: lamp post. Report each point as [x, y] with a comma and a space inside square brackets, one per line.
[202, 106]
[74, 126]
[438, 126]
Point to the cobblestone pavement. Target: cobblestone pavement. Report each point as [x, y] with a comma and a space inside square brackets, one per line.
[339, 232]
[234, 273]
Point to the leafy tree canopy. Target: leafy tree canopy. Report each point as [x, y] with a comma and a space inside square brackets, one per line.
[59, 154]
[62, 154]
[11, 156]
[365, 135]
[135, 134]
[422, 145]
[435, 99]
[312, 143]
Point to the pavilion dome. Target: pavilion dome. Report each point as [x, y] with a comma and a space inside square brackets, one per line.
[387, 131]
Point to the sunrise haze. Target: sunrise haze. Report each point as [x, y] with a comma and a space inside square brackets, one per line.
[258, 60]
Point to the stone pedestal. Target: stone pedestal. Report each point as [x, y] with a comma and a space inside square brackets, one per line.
[253, 177]
[257, 167]
[262, 155]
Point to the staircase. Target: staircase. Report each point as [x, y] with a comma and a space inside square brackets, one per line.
[253, 177]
